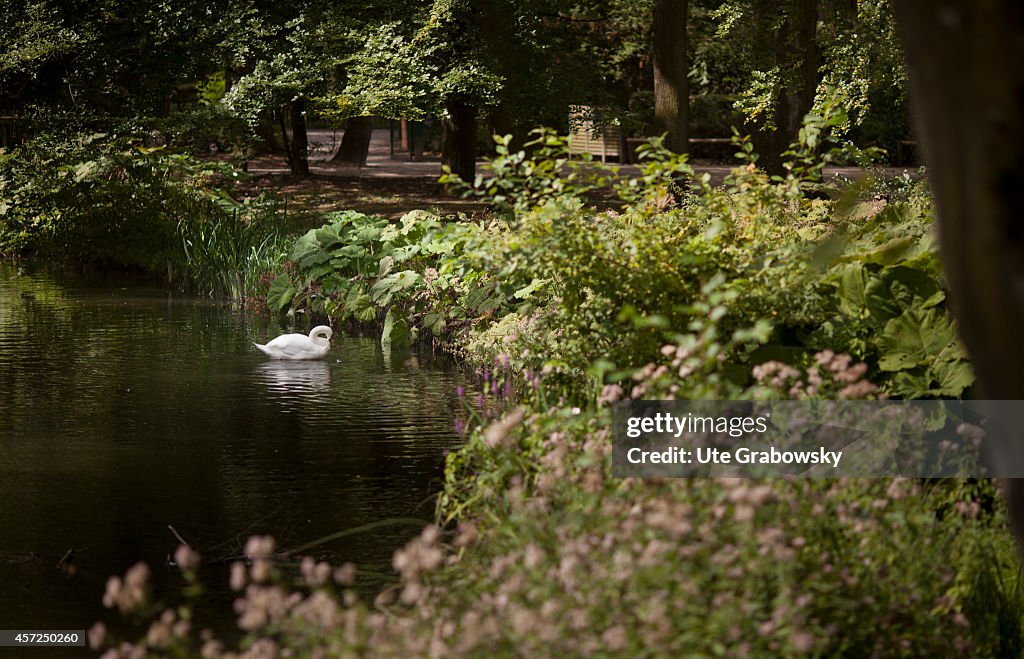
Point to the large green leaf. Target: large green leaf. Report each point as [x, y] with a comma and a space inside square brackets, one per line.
[434, 321]
[329, 235]
[405, 253]
[951, 378]
[918, 337]
[281, 293]
[851, 282]
[900, 288]
[359, 305]
[313, 258]
[394, 283]
[367, 234]
[439, 247]
[419, 221]
[891, 252]
[353, 251]
[306, 245]
[482, 298]
[942, 380]
[350, 217]
[318, 271]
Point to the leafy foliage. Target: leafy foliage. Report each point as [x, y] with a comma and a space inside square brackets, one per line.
[109, 199]
[890, 304]
[587, 293]
[713, 566]
[230, 250]
[410, 276]
[859, 54]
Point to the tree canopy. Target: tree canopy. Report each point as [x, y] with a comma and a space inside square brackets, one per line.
[491, 65]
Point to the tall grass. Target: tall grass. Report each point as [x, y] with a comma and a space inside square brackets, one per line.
[227, 247]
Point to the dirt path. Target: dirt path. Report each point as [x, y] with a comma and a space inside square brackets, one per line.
[392, 186]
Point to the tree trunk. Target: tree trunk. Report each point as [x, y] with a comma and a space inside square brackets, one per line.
[794, 50]
[298, 159]
[671, 81]
[965, 60]
[850, 12]
[285, 141]
[797, 98]
[458, 148]
[503, 123]
[8, 127]
[355, 143]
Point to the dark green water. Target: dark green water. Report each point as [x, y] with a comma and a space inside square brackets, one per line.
[124, 410]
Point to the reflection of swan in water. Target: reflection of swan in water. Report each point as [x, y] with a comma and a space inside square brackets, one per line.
[296, 376]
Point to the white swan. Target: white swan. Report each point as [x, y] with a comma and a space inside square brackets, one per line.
[300, 346]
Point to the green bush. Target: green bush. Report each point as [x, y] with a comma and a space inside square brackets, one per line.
[553, 556]
[108, 199]
[572, 288]
[409, 276]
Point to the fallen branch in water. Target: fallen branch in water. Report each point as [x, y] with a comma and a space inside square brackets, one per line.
[68, 556]
[178, 536]
[359, 529]
[237, 539]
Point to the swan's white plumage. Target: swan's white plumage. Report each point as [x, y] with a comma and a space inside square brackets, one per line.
[300, 346]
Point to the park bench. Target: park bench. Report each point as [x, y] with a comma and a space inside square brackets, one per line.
[607, 142]
[600, 142]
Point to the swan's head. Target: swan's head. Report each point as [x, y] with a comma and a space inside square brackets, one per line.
[321, 331]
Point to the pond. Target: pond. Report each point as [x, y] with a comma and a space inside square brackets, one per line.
[125, 411]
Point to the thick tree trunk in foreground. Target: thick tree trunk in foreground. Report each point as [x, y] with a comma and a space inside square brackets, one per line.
[966, 65]
[298, 152]
[671, 84]
[458, 143]
[355, 143]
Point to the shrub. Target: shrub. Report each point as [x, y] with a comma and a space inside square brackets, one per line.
[108, 199]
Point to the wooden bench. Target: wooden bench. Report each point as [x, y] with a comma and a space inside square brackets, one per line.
[600, 142]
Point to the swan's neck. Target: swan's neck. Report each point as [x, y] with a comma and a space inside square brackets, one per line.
[316, 338]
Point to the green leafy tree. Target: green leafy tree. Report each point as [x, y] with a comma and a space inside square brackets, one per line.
[521, 64]
[295, 60]
[288, 65]
[784, 59]
[73, 63]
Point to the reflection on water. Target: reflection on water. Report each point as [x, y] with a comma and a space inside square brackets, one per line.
[298, 379]
[123, 411]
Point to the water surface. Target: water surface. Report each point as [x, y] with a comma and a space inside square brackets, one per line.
[125, 410]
